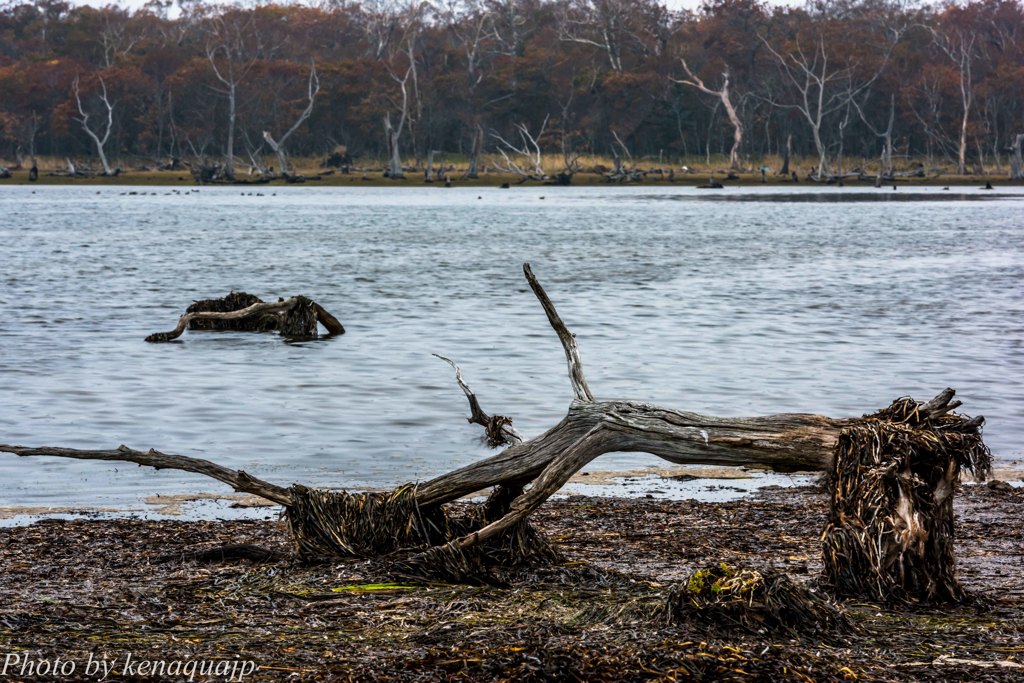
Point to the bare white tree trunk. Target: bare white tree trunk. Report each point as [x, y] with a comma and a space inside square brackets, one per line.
[99, 141]
[227, 41]
[230, 91]
[474, 153]
[392, 132]
[823, 87]
[1016, 163]
[278, 145]
[723, 95]
[885, 169]
[959, 49]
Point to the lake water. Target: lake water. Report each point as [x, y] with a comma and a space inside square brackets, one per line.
[742, 302]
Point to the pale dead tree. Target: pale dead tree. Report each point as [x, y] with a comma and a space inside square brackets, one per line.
[115, 39]
[724, 96]
[393, 31]
[226, 53]
[474, 31]
[958, 47]
[100, 137]
[511, 26]
[381, 24]
[822, 87]
[525, 159]
[615, 27]
[254, 150]
[598, 23]
[625, 169]
[1016, 163]
[886, 168]
[313, 89]
[393, 132]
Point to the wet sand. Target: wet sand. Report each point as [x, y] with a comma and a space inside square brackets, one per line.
[104, 589]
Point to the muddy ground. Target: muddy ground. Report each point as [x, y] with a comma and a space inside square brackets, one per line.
[92, 591]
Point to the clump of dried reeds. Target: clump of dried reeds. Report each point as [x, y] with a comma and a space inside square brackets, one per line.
[330, 524]
[889, 534]
[726, 596]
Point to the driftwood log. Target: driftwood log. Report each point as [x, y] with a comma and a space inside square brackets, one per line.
[528, 471]
[294, 318]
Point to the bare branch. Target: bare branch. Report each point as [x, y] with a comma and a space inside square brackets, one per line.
[237, 479]
[568, 339]
[498, 427]
[530, 148]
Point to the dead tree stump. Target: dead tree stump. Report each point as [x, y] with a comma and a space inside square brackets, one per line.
[294, 318]
[889, 535]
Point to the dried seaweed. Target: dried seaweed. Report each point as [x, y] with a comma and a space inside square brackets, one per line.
[728, 597]
[108, 588]
[889, 534]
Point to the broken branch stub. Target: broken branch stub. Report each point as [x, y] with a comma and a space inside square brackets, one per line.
[293, 318]
[497, 428]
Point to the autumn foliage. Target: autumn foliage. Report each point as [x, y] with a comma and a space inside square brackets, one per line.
[827, 77]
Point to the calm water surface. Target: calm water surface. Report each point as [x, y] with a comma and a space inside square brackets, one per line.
[745, 302]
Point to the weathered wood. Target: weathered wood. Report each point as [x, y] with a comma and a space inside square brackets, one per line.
[568, 339]
[725, 98]
[786, 442]
[236, 479]
[498, 428]
[255, 309]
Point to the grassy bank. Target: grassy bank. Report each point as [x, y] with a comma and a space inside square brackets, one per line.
[370, 173]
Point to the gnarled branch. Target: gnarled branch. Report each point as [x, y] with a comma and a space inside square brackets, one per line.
[498, 428]
[237, 479]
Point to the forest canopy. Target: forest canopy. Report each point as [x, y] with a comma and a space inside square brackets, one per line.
[877, 80]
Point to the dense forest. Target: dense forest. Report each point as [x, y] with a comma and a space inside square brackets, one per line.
[841, 83]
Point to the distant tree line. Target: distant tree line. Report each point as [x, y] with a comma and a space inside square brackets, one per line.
[840, 81]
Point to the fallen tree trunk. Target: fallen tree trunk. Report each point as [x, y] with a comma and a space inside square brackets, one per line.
[329, 523]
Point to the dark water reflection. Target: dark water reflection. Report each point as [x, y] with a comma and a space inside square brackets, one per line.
[725, 307]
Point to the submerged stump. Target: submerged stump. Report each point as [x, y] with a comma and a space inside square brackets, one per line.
[889, 535]
[293, 318]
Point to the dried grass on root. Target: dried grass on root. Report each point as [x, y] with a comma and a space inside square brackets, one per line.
[325, 525]
[889, 535]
